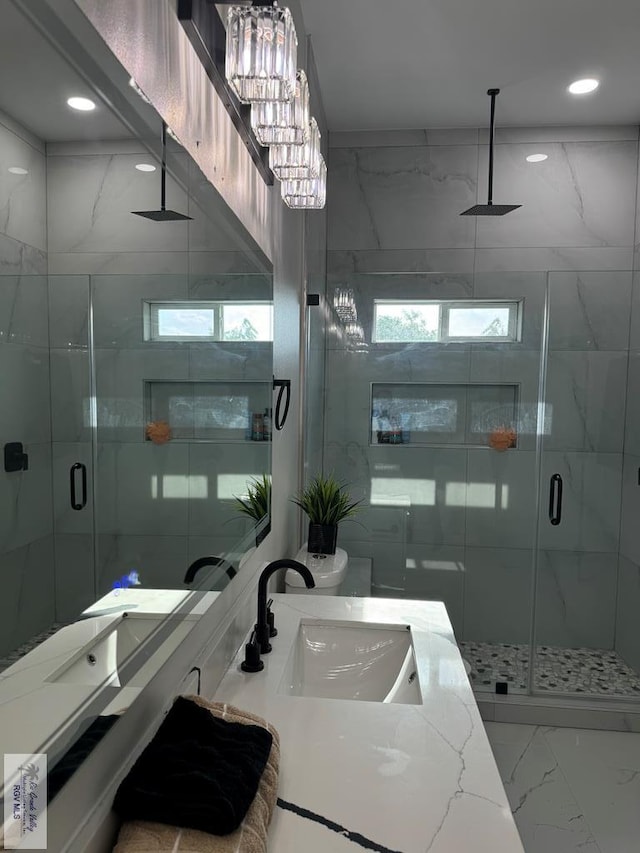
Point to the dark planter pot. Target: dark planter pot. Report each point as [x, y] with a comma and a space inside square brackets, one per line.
[323, 538]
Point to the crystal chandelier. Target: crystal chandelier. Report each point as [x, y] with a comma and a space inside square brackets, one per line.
[276, 123]
[295, 162]
[345, 304]
[260, 67]
[308, 193]
[261, 53]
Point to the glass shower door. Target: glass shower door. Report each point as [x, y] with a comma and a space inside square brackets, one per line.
[501, 491]
[72, 444]
[46, 526]
[433, 418]
[181, 365]
[576, 642]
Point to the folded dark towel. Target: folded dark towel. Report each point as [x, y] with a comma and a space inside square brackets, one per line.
[198, 771]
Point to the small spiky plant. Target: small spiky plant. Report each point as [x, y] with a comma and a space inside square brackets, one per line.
[257, 502]
[326, 501]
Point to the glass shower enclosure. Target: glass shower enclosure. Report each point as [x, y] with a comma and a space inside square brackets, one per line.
[125, 439]
[482, 418]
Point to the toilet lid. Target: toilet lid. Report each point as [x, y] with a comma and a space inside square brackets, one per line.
[334, 577]
[327, 569]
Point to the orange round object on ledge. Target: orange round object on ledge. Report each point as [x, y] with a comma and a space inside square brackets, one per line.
[502, 438]
[159, 432]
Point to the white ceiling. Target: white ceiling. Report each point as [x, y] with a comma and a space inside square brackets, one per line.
[400, 64]
[35, 82]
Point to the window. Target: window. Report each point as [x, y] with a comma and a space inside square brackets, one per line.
[405, 321]
[208, 321]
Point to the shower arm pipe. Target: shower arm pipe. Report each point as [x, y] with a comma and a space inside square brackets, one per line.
[163, 169]
[493, 93]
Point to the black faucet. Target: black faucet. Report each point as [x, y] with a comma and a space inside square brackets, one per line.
[198, 564]
[263, 629]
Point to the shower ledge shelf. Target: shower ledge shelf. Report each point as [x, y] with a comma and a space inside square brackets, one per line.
[441, 446]
[212, 441]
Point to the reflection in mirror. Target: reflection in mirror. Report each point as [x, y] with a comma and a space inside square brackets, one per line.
[256, 504]
[136, 370]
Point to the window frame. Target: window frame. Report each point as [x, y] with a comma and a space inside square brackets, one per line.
[152, 307]
[514, 334]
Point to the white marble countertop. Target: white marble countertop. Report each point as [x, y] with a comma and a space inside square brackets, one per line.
[32, 708]
[408, 778]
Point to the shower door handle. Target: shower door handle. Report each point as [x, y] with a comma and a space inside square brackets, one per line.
[555, 499]
[75, 504]
[285, 388]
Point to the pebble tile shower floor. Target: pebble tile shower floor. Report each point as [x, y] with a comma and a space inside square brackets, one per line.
[11, 658]
[590, 671]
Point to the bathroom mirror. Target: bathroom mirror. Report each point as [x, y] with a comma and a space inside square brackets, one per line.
[135, 349]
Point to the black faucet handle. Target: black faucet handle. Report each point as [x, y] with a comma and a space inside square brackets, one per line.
[262, 637]
[252, 662]
[271, 622]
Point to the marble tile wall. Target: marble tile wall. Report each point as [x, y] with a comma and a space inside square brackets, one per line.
[394, 230]
[26, 523]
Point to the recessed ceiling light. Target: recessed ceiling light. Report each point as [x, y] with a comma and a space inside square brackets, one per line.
[82, 104]
[18, 170]
[536, 158]
[582, 87]
[145, 167]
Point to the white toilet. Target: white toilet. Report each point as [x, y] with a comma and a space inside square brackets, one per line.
[328, 572]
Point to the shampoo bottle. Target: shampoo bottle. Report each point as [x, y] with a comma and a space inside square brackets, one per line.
[257, 427]
[266, 425]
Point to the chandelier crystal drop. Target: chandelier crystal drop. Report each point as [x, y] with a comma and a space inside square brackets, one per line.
[261, 53]
[354, 332]
[296, 162]
[308, 193]
[345, 304]
[276, 123]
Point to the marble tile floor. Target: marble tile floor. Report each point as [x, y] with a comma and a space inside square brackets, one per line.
[10, 658]
[598, 672]
[570, 789]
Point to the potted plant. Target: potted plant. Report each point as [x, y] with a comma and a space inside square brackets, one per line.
[326, 502]
[256, 503]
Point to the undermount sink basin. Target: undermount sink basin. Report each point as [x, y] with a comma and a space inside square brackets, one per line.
[101, 659]
[353, 660]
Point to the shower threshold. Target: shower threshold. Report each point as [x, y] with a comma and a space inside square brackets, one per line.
[582, 671]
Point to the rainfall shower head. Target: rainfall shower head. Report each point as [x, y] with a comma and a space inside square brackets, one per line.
[491, 209]
[162, 215]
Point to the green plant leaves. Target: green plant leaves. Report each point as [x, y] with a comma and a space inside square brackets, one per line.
[326, 501]
[258, 500]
